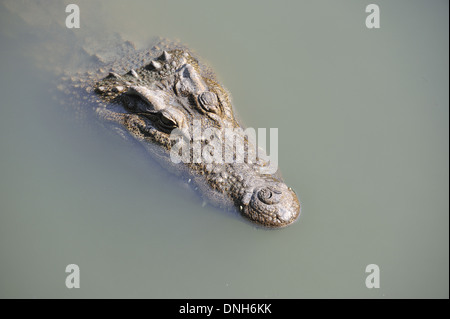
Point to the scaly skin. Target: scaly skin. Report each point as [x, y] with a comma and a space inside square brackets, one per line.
[174, 91]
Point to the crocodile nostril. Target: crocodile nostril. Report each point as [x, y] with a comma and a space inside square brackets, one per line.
[273, 205]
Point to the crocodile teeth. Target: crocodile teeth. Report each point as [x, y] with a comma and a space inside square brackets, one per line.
[165, 56]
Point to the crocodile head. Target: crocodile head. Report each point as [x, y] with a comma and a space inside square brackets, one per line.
[170, 93]
[174, 92]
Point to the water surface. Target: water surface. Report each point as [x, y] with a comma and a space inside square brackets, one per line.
[363, 127]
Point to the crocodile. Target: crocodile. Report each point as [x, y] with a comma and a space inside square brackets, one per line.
[174, 91]
[149, 94]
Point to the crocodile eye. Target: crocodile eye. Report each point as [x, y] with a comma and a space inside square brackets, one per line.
[269, 196]
[208, 101]
[167, 122]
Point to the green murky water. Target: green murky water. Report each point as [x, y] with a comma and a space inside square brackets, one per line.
[363, 126]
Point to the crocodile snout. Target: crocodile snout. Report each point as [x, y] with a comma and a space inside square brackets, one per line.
[272, 206]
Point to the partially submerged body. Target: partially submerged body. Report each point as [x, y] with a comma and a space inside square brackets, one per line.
[151, 93]
[174, 91]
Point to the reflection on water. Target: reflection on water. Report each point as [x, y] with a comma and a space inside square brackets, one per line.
[363, 129]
